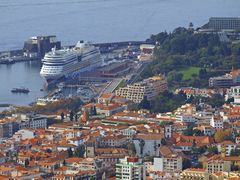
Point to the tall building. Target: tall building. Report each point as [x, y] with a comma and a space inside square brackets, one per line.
[168, 161]
[9, 126]
[221, 23]
[130, 168]
[6, 129]
[227, 80]
[224, 81]
[148, 88]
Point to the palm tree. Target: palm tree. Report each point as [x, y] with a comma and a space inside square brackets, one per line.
[62, 116]
[141, 145]
[71, 116]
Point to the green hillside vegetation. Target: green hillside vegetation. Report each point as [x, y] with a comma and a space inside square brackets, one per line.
[189, 72]
[168, 102]
[181, 53]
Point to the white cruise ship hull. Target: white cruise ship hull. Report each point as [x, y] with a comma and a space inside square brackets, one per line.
[69, 64]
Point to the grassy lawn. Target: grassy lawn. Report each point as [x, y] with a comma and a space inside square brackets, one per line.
[188, 72]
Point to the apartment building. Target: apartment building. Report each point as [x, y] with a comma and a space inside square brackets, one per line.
[224, 81]
[224, 23]
[194, 174]
[217, 164]
[130, 168]
[6, 129]
[216, 122]
[233, 92]
[10, 125]
[148, 88]
[168, 161]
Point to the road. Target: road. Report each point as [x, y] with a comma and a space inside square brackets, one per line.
[136, 74]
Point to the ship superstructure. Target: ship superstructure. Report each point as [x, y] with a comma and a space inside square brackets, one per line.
[68, 62]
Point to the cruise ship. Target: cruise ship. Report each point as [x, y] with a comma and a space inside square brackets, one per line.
[66, 63]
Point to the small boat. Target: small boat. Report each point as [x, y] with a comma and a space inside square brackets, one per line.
[10, 61]
[6, 61]
[20, 90]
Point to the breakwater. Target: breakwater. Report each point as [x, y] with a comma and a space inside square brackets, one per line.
[7, 57]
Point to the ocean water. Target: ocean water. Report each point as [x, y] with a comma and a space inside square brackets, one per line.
[92, 20]
[103, 20]
[25, 74]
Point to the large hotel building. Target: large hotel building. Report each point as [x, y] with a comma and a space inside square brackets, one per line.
[148, 88]
[221, 23]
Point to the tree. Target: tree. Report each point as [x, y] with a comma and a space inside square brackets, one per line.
[167, 101]
[221, 135]
[202, 149]
[80, 151]
[26, 163]
[213, 150]
[70, 152]
[165, 123]
[202, 73]
[186, 163]
[94, 110]
[217, 100]
[76, 117]
[141, 145]
[155, 146]
[163, 141]
[131, 148]
[197, 132]
[183, 48]
[144, 104]
[235, 152]
[62, 116]
[71, 116]
[230, 100]
[189, 130]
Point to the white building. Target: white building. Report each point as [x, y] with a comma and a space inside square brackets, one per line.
[147, 51]
[128, 132]
[169, 163]
[32, 121]
[233, 92]
[185, 118]
[148, 88]
[148, 144]
[216, 122]
[24, 134]
[130, 168]
[226, 147]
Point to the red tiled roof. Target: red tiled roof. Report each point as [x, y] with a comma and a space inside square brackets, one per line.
[149, 136]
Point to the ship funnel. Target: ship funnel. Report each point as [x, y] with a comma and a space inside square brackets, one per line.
[54, 49]
[80, 44]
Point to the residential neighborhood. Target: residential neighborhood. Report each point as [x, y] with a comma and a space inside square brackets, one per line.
[108, 140]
